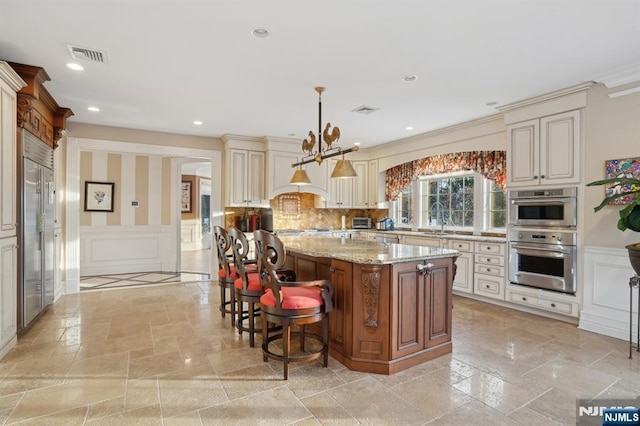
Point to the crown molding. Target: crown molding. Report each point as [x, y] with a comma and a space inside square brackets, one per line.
[547, 97]
[12, 78]
[619, 76]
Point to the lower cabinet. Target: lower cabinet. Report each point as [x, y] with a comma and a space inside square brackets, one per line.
[563, 304]
[463, 281]
[420, 307]
[489, 269]
[8, 295]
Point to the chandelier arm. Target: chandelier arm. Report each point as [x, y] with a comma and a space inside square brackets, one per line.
[325, 156]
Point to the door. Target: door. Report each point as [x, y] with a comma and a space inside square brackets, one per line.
[32, 245]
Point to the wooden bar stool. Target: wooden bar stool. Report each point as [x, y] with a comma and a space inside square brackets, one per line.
[226, 273]
[288, 304]
[247, 287]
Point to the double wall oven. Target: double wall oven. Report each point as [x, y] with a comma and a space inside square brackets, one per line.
[542, 238]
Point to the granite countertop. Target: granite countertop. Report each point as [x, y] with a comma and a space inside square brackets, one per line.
[362, 252]
[449, 236]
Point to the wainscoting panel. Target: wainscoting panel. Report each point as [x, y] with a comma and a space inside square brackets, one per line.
[606, 292]
[124, 249]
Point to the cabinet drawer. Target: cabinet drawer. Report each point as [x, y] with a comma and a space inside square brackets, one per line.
[523, 299]
[490, 248]
[562, 307]
[461, 245]
[489, 259]
[497, 271]
[486, 285]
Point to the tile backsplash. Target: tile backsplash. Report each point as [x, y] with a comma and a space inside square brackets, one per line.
[297, 211]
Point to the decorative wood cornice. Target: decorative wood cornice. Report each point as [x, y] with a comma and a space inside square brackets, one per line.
[371, 290]
[38, 112]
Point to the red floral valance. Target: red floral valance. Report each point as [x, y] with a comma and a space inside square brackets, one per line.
[490, 164]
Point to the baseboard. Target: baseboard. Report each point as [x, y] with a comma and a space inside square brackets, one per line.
[6, 348]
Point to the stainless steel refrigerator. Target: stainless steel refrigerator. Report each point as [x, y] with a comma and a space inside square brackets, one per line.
[37, 227]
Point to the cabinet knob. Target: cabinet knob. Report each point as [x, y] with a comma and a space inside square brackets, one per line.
[535, 177]
[488, 270]
[553, 305]
[424, 269]
[486, 286]
[524, 299]
[488, 260]
[488, 248]
[541, 176]
[332, 269]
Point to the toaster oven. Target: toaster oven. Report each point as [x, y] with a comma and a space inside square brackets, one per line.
[361, 223]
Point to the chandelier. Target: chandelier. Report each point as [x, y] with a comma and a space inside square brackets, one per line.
[343, 170]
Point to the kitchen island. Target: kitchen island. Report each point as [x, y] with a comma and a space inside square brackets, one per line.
[391, 302]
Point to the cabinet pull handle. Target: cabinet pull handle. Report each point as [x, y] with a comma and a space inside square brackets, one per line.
[332, 269]
[424, 269]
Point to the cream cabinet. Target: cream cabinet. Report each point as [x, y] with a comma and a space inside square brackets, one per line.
[463, 281]
[416, 240]
[361, 185]
[10, 83]
[544, 151]
[558, 303]
[372, 184]
[489, 269]
[246, 178]
[340, 190]
[8, 295]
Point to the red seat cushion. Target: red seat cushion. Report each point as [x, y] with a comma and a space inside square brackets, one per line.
[253, 285]
[294, 298]
[223, 273]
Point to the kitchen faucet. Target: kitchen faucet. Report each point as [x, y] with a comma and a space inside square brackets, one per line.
[439, 212]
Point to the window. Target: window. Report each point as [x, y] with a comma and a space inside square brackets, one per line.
[463, 200]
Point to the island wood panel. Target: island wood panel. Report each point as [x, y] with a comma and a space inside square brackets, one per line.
[340, 319]
[371, 294]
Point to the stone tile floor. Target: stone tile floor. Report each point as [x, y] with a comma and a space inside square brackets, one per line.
[163, 355]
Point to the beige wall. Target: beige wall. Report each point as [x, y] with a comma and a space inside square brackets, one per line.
[612, 131]
[119, 134]
[135, 178]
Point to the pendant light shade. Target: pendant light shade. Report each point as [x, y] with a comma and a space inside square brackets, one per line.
[343, 170]
[300, 177]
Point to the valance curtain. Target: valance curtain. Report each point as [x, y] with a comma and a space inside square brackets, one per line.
[490, 164]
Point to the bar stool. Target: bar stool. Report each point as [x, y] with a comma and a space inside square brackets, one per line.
[297, 304]
[247, 287]
[226, 273]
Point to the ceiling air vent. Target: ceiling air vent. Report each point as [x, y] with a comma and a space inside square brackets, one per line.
[365, 109]
[87, 54]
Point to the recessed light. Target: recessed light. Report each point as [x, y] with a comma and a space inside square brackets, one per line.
[75, 67]
[93, 109]
[356, 143]
[197, 123]
[409, 78]
[260, 33]
[292, 134]
[492, 103]
[408, 128]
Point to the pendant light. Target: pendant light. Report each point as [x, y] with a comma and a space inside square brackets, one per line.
[343, 170]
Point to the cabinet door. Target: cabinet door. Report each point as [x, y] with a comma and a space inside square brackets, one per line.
[237, 177]
[421, 241]
[255, 178]
[464, 273]
[372, 186]
[559, 148]
[522, 153]
[438, 303]
[340, 318]
[7, 158]
[340, 190]
[407, 310]
[360, 185]
[8, 286]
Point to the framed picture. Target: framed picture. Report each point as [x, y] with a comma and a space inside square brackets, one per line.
[186, 197]
[98, 196]
[621, 168]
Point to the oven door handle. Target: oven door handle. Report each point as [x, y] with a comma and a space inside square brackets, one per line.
[552, 252]
[548, 201]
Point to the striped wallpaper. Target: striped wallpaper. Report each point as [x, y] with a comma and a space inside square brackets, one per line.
[142, 178]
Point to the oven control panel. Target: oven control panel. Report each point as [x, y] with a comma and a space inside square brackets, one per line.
[543, 237]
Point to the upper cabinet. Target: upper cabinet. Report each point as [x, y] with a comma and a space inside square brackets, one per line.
[10, 83]
[357, 193]
[544, 151]
[245, 178]
[340, 190]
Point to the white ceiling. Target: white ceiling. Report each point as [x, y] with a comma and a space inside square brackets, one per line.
[172, 62]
